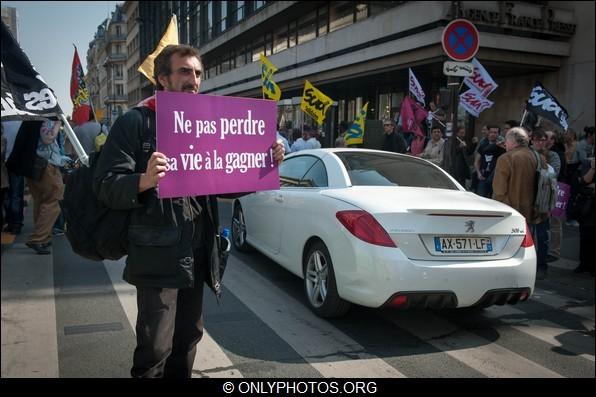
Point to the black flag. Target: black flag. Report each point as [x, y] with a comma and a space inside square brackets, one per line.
[544, 104]
[25, 96]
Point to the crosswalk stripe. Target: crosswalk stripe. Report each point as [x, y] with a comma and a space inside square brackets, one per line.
[318, 342]
[483, 355]
[544, 330]
[570, 305]
[211, 361]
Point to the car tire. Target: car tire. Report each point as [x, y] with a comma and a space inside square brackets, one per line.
[239, 230]
[319, 283]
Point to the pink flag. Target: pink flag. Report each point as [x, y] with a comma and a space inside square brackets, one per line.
[412, 114]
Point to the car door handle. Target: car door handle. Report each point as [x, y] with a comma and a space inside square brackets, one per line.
[279, 199]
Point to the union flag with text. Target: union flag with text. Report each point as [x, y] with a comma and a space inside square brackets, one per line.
[81, 111]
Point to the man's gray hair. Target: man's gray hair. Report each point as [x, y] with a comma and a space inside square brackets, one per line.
[519, 136]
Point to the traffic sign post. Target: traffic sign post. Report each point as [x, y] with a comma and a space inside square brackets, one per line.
[460, 42]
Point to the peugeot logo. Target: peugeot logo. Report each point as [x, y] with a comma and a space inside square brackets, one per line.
[470, 227]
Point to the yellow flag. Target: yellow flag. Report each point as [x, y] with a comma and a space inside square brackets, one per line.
[269, 87]
[355, 135]
[314, 102]
[99, 114]
[169, 37]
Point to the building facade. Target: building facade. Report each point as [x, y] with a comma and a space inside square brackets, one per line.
[133, 60]
[11, 20]
[107, 66]
[358, 52]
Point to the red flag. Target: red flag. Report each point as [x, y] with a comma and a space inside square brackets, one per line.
[81, 112]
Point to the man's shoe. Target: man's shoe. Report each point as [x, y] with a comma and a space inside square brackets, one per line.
[57, 232]
[551, 258]
[40, 249]
[572, 223]
[13, 229]
[581, 269]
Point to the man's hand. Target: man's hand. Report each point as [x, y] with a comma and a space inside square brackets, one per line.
[156, 169]
[278, 151]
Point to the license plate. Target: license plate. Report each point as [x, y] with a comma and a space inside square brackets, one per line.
[463, 245]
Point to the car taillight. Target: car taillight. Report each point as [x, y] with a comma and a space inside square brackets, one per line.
[362, 225]
[528, 241]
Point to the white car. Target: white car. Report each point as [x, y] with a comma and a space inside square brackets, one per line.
[382, 229]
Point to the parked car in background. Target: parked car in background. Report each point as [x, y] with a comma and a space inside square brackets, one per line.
[378, 229]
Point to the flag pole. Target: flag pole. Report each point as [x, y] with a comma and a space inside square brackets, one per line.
[74, 140]
[521, 123]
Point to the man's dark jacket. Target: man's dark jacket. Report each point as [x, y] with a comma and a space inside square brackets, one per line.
[169, 240]
[394, 142]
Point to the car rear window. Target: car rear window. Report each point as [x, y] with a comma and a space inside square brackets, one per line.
[387, 169]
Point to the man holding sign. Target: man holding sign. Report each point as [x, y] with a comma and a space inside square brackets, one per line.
[173, 243]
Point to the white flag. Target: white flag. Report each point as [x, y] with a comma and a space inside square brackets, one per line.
[481, 80]
[415, 87]
[474, 102]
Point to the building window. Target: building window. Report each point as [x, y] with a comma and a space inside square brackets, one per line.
[361, 11]
[118, 30]
[292, 33]
[322, 21]
[341, 14]
[258, 48]
[268, 43]
[259, 4]
[307, 27]
[119, 90]
[280, 39]
[241, 57]
[239, 13]
[223, 16]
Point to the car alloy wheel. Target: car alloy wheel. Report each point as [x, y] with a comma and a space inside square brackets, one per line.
[319, 283]
[239, 230]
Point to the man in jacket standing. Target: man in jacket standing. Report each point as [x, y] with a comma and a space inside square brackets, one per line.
[172, 243]
[513, 184]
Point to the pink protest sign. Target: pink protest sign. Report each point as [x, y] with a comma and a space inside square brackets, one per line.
[564, 190]
[215, 144]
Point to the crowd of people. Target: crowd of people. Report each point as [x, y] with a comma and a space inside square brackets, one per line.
[475, 165]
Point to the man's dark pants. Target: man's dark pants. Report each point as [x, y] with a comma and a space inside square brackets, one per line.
[169, 326]
[14, 203]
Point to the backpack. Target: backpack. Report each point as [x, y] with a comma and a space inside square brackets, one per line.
[545, 188]
[94, 230]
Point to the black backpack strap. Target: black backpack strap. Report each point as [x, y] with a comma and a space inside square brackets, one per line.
[144, 151]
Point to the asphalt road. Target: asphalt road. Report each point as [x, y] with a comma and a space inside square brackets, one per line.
[66, 317]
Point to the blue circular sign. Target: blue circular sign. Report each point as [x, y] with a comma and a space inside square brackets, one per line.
[460, 40]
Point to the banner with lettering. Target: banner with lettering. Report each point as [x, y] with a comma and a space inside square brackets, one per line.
[415, 87]
[215, 144]
[481, 80]
[270, 88]
[25, 95]
[544, 104]
[474, 102]
[314, 102]
[355, 135]
[563, 193]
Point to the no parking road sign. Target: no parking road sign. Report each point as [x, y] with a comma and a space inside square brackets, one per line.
[460, 40]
